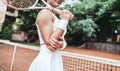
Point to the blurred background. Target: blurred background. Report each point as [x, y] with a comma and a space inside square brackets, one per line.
[94, 21]
[93, 36]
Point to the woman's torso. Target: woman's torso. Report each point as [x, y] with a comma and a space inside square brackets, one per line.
[55, 24]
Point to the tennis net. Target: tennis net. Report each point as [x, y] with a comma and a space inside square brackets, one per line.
[79, 62]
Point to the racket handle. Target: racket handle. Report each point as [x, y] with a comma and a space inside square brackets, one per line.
[53, 9]
[58, 11]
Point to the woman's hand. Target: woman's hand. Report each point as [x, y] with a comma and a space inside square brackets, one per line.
[56, 44]
[66, 15]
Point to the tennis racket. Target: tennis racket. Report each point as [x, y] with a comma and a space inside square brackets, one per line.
[28, 4]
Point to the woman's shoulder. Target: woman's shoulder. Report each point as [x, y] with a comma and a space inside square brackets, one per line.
[45, 12]
[44, 16]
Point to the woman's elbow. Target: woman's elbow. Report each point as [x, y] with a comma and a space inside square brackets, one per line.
[47, 42]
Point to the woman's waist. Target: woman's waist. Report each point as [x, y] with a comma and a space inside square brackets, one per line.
[45, 48]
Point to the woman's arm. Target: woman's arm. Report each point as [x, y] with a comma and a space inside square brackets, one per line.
[45, 23]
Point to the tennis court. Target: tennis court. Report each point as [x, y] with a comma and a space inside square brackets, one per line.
[73, 61]
[80, 62]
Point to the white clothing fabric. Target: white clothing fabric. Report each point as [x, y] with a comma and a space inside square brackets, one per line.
[48, 60]
[3, 9]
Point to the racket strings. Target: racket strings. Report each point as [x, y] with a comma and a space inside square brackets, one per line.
[21, 3]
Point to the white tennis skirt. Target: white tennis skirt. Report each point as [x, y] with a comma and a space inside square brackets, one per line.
[47, 61]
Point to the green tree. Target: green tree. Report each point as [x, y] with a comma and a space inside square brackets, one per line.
[100, 15]
[92, 18]
[108, 20]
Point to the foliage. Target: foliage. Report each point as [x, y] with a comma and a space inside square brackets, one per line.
[108, 21]
[29, 21]
[7, 29]
[92, 18]
[83, 23]
[16, 25]
[88, 26]
[100, 12]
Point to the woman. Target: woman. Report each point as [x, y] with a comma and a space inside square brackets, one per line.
[51, 32]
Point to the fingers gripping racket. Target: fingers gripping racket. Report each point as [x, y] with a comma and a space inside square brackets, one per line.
[28, 4]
